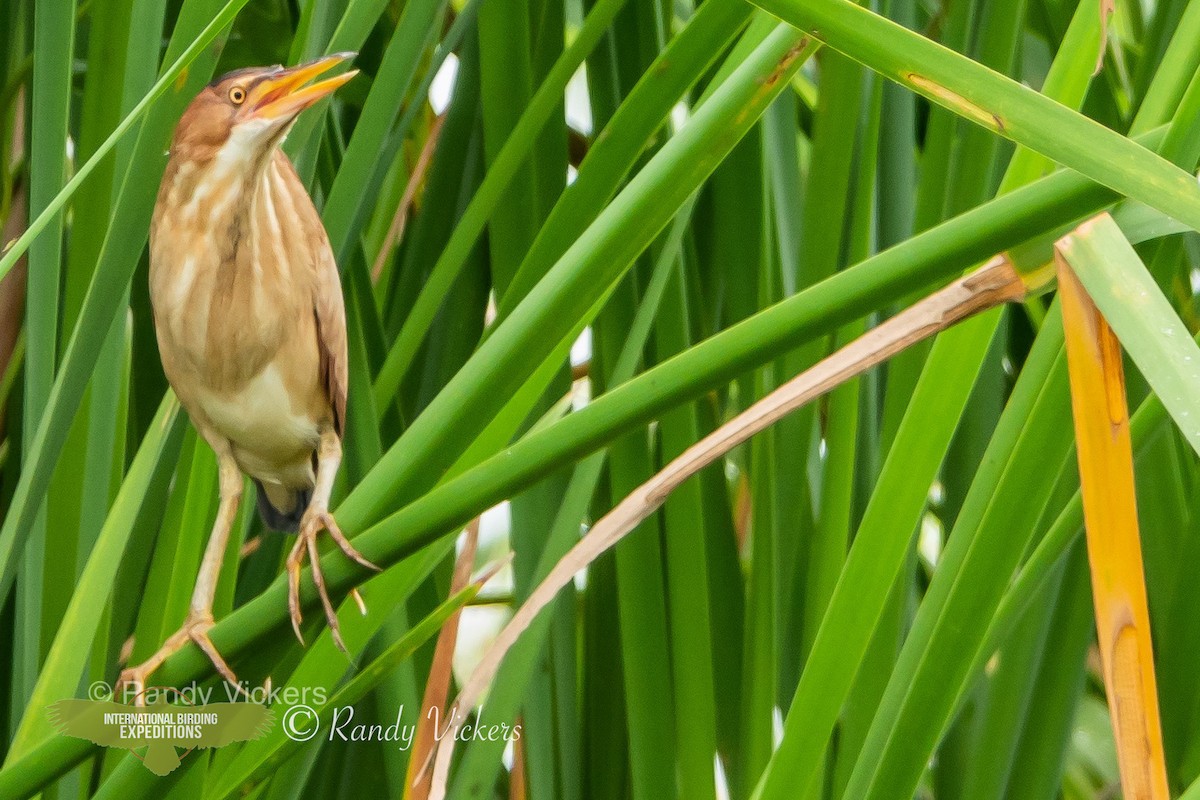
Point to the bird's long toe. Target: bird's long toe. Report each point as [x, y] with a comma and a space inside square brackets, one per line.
[335, 629]
[294, 562]
[194, 630]
[311, 526]
[133, 679]
[198, 633]
[325, 521]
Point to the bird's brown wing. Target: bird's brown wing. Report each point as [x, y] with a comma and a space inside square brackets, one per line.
[330, 312]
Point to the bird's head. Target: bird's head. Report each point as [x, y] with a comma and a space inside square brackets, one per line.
[244, 115]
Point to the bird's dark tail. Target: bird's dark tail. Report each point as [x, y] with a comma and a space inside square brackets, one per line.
[280, 507]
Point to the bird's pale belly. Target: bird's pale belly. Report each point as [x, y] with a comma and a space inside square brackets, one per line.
[271, 440]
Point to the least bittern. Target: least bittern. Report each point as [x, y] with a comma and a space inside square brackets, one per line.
[251, 324]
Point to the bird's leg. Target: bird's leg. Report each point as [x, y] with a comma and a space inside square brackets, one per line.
[200, 617]
[316, 519]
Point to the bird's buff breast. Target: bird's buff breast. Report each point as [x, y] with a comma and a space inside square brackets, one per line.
[247, 380]
[236, 344]
[259, 420]
[245, 387]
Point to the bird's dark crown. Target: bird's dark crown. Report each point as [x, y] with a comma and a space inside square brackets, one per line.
[245, 72]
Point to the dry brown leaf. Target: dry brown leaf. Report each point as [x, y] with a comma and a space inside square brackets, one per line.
[400, 220]
[1104, 449]
[992, 284]
[437, 688]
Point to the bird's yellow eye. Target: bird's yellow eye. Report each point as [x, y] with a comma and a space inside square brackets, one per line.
[238, 95]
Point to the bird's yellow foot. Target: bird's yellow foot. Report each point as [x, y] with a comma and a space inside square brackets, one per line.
[315, 521]
[195, 629]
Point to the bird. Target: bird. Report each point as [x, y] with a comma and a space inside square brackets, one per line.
[251, 326]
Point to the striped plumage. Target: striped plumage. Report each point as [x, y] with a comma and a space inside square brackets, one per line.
[253, 251]
[251, 325]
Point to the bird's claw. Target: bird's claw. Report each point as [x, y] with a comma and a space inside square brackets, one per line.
[195, 629]
[306, 544]
[132, 678]
[198, 633]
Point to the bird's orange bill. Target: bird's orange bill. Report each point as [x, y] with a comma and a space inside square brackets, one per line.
[1105, 455]
[284, 93]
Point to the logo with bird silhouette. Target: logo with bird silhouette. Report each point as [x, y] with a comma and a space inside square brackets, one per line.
[161, 728]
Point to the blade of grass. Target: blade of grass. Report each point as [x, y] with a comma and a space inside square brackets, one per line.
[512, 155]
[503, 699]
[894, 512]
[832, 192]
[53, 39]
[1105, 452]
[851, 414]
[61, 671]
[640, 572]
[344, 214]
[506, 86]
[688, 582]
[970, 578]
[1148, 327]
[782, 141]
[519, 44]
[998, 103]
[991, 285]
[1037, 765]
[211, 30]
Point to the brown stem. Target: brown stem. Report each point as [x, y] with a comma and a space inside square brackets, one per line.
[437, 689]
[396, 229]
